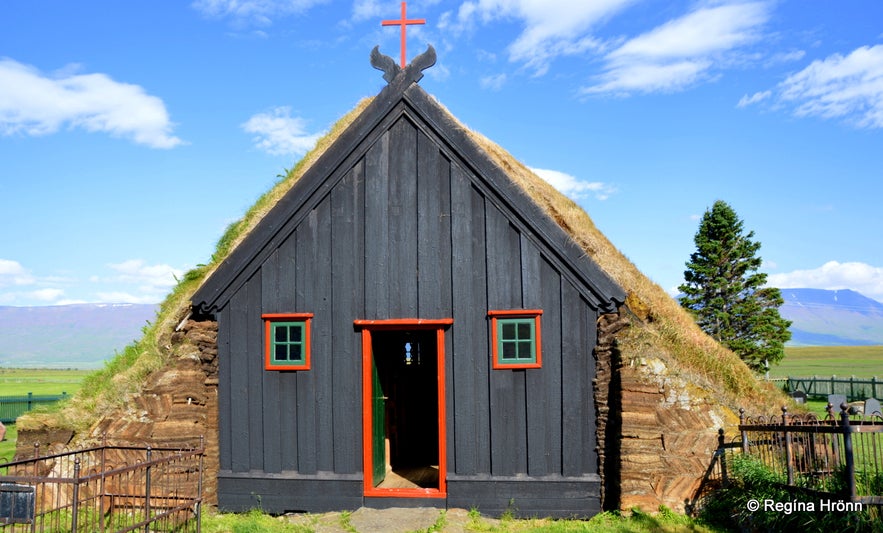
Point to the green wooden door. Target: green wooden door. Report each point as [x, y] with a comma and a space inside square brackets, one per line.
[378, 418]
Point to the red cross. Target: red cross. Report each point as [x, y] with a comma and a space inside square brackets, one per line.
[404, 23]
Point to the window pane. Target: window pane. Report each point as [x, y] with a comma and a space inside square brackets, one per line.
[281, 334]
[508, 331]
[281, 352]
[294, 333]
[524, 330]
[296, 352]
[524, 350]
[509, 349]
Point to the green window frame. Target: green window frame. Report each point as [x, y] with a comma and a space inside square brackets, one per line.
[287, 341]
[515, 338]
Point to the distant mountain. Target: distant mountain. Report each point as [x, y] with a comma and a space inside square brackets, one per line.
[832, 318]
[76, 336]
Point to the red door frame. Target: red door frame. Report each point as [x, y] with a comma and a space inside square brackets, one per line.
[367, 326]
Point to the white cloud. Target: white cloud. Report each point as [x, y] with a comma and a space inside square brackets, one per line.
[849, 87]
[34, 104]
[368, 9]
[150, 277]
[493, 83]
[47, 295]
[754, 98]
[574, 188]
[13, 273]
[125, 297]
[683, 51]
[857, 276]
[131, 281]
[278, 133]
[551, 27]
[786, 57]
[261, 12]
[135, 281]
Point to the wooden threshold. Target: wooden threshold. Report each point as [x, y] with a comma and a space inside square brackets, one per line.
[422, 477]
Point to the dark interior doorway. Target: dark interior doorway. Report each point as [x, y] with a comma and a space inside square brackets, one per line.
[405, 409]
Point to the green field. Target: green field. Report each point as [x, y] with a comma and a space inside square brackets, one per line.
[805, 361]
[19, 382]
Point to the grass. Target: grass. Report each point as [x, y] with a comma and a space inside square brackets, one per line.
[751, 481]
[251, 522]
[805, 361]
[665, 521]
[7, 445]
[20, 381]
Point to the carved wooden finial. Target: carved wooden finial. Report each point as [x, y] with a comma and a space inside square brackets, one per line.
[391, 69]
[384, 63]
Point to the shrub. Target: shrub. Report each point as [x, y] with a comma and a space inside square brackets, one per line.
[757, 499]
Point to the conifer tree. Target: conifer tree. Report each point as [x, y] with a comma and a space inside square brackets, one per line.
[726, 293]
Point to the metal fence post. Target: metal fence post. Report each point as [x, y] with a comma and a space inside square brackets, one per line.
[76, 495]
[744, 433]
[847, 452]
[789, 453]
[102, 484]
[147, 492]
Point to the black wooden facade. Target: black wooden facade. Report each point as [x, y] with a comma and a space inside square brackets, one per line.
[405, 229]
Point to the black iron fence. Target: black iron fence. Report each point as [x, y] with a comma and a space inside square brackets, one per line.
[12, 407]
[852, 387]
[103, 489]
[840, 456]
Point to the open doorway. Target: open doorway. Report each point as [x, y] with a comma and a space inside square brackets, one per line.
[403, 408]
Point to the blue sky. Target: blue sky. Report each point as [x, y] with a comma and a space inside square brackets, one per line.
[132, 133]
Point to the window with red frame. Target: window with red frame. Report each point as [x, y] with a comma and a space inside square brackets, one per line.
[515, 338]
[287, 341]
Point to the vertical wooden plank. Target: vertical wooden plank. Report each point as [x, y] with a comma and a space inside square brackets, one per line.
[507, 387]
[225, 391]
[590, 435]
[270, 390]
[287, 264]
[347, 207]
[306, 299]
[377, 229]
[433, 230]
[578, 446]
[470, 359]
[286, 280]
[322, 355]
[531, 294]
[255, 373]
[543, 386]
[239, 403]
[402, 222]
[503, 261]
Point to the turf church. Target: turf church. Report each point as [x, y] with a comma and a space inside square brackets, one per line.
[407, 327]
